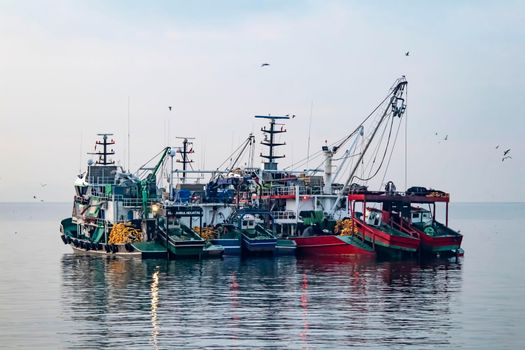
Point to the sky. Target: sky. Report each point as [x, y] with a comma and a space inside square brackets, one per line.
[72, 69]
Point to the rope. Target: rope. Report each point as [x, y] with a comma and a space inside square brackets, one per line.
[384, 154]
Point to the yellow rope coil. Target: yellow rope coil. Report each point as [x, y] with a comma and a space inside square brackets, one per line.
[207, 232]
[345, 227]
[124, 233]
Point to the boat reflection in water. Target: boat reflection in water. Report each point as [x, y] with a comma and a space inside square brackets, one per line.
[278, 302]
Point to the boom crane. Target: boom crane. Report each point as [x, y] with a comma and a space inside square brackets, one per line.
[395, 108]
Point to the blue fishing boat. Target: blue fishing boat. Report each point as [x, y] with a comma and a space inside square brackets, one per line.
[229, 237]
[256, 239]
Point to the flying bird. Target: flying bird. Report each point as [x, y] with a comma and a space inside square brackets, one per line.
[506, 157]
[506, 152]
[497, 146]
[265, 64]
[446, 138]
[169, 108]
[43, 185]
[407, 53]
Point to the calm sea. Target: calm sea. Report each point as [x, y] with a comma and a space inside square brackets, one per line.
[53, 299]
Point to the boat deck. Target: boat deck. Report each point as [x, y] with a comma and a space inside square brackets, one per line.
[149, 247]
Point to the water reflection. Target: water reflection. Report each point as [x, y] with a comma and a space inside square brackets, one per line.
[278, 303]
[154, 307]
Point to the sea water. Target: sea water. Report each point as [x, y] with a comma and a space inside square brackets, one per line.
[51, 298]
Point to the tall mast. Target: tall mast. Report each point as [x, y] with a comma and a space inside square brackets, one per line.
[103, 155]
[270, 142]
[185, 150]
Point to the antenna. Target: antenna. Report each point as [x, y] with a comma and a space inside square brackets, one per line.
[129, 149]
[309, 133]
[80, 164]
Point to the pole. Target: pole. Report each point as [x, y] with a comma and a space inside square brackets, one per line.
[170, 196]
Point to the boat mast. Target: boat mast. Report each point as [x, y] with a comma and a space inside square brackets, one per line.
[185, 150]
[271, 142]
[103, 155]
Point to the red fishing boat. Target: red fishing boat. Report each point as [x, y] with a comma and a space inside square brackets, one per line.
[376, 230]
[435, 237]
[325, 245]
[400, 225]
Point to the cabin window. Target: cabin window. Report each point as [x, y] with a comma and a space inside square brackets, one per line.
[415, 215]
[245, 223]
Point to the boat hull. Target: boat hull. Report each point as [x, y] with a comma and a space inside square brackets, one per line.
[331, 245]
[182, 248]
[232, 246]
[285, 247]
[258, 245]
[213, 251]
[387, 240]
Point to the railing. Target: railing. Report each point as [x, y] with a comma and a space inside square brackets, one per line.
[102, 180]
[127, 202]
[284, 215]
[290, 190]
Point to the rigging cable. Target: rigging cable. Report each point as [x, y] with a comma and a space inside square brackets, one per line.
[391, 152]
[348, 136]
[384, 154]
[406, 138]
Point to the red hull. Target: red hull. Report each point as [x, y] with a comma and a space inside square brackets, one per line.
[385, 239]
[328, 245]
[439, 244]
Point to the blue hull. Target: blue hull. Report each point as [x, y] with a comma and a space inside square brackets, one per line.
[232, 246]
[258, 246]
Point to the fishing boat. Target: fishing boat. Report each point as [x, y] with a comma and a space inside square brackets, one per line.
[332, 245]
[256, 239]
[307, 206]
[436, 238]
[229, 237]
[394, 242]
[180, 240]
[400, 223]
[116, 212]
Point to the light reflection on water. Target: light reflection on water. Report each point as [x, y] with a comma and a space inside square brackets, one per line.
[276, 303]
[154, 306]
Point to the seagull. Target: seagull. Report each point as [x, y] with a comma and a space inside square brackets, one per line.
[497, 146]
[446, 138]
[169, 108]
[265, 64]
[43, 185]
[507, 151]
[407, 53]
[502, 159]
[34, 197]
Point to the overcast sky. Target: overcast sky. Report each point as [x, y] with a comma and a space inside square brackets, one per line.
[67, 69]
